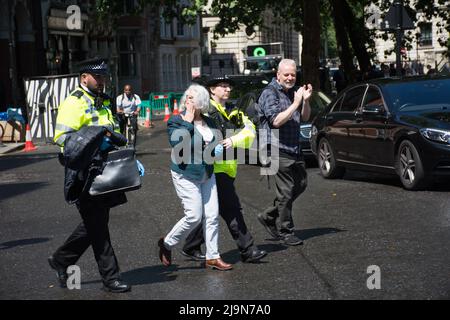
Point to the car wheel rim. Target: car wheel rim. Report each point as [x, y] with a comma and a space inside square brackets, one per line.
[325, 157]
[407, 165]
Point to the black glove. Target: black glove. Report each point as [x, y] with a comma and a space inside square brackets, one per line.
[117, 138]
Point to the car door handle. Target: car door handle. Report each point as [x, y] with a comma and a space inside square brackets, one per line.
[358, 120]
[329, 118]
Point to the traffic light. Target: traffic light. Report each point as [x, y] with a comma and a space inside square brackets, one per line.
[258, 51]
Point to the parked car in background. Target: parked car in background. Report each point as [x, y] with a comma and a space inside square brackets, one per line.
[388, 125]
[243, 84]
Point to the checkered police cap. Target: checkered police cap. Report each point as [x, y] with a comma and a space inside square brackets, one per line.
[94, 66]
[213, 81]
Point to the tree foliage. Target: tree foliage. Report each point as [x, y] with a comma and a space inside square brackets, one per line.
[347, 17]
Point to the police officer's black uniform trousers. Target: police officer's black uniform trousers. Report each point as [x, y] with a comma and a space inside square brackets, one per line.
[92, 231]
[231, 211]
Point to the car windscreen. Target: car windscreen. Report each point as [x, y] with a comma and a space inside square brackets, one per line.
[243, 86]
[401, 96]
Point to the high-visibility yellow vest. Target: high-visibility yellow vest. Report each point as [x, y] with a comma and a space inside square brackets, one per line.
[242, 139]
[78, 110]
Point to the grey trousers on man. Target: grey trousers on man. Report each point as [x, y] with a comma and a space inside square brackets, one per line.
[291, 180]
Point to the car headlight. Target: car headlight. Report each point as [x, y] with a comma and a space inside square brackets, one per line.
[436, 135]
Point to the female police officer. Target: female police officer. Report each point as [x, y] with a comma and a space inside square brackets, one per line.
[225, 171]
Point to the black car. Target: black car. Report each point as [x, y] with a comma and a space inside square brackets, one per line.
[319, 101]
[391, 125]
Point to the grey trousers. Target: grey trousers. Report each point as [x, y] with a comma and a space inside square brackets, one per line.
[291, 181]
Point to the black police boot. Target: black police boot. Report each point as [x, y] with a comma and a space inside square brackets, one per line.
[116, 286]
[253, 255]
[195, 255]
[61, 272]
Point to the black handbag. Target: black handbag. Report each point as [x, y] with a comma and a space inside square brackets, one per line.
[119, 174]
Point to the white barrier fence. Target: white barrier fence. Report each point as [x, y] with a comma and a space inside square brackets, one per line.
[43, 96]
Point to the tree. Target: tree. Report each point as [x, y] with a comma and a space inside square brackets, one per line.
[353, 39]
[311, 42]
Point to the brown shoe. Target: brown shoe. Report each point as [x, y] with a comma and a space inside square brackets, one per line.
[165, 255]
[218, 264]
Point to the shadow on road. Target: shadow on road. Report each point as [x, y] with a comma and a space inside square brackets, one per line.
[22, 242]
[149, 275]
[438, 185]
[13, 189]
[317, 232]
[234, 256]
[15, 161]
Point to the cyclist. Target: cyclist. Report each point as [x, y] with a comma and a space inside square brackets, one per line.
[128, 104]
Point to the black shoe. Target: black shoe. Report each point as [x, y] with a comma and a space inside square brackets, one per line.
[196, 255]
[270, 228]
[253, 255]
[61, 272]
[116, 286]
[291, 240]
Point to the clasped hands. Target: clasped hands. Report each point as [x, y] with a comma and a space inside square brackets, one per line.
[303, 93]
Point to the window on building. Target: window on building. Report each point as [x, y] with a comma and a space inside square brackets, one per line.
[195, 61]
[426, 34]
[164, 71]
[165, 29]
[129, 6]
[195, 31]
[178, 75]
[180, 29]
[184, 78]
[171, 80]
[127, 53]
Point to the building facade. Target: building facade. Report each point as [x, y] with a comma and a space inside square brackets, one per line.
[426, 49]
[178, 52]
[40, 38]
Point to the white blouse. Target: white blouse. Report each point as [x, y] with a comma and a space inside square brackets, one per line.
[204, 130]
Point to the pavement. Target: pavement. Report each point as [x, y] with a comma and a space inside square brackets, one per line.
[7, 147]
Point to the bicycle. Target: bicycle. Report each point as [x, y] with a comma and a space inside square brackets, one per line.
[130, 131]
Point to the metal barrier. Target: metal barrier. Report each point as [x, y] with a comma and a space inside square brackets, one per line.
[157, 102]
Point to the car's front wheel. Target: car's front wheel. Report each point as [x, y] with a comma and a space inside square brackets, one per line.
[327, 161]
[410, 168]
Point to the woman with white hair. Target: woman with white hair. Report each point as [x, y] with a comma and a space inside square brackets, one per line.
[192, 137]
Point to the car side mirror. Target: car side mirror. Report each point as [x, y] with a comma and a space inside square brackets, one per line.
[373, 109]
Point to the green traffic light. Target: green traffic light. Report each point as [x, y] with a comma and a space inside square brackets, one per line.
[259, 52]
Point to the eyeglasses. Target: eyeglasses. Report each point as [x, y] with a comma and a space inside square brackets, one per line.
[225, 86]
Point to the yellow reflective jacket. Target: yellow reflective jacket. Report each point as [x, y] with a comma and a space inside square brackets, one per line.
[79, 110]
[243, 139]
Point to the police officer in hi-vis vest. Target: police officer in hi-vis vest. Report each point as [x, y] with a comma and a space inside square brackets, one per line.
[86, 107]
